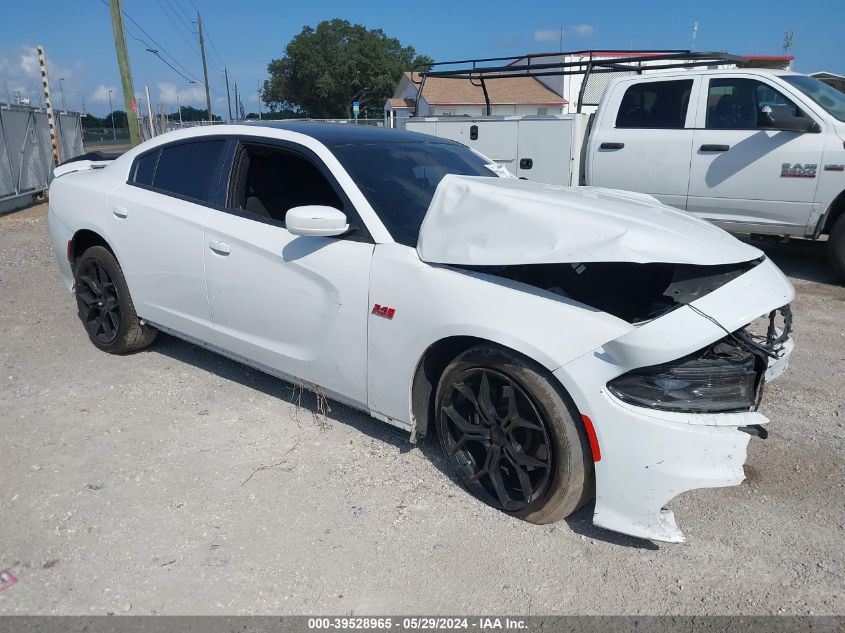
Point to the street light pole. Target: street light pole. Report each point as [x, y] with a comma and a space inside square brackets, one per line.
[62, 89]
[111, 110]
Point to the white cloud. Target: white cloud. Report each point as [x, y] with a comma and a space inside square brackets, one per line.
[101, 94]
[581, 30]
[194, 94]
[29, 60]
[542, 36]
[546, 35]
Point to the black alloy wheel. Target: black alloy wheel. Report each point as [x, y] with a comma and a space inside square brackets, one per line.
[105, 306]
[497, 438]
[98, 300]
[512, 436]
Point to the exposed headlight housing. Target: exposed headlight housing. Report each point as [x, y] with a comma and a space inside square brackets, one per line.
[722, 377]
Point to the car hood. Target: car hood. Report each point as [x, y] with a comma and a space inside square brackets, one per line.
[482, 221]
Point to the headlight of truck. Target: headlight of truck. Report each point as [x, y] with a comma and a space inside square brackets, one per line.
[722, 377]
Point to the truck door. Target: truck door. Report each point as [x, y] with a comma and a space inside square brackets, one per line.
[746, 176]
[642, 139]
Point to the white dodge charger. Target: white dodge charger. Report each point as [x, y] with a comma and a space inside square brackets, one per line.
[562, 343]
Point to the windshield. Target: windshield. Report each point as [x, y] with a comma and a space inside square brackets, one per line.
[399, 179]
[826, 96]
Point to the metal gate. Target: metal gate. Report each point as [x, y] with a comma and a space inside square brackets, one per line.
[26, 163]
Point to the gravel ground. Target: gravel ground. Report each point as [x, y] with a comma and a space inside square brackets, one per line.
[175, 481]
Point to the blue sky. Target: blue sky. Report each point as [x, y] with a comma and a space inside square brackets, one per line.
[246, 34]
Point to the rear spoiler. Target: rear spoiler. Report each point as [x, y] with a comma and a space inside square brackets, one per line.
[84, 162]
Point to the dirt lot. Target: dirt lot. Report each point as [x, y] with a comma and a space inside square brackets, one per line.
[175, 481]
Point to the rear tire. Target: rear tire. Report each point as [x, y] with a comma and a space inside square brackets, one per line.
[105, 305]
[511, 436]
[836, 247]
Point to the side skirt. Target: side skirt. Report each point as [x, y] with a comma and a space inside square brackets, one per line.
[279, 374]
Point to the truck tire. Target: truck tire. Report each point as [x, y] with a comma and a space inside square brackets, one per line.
[105, 305]
[836, 247]
[511, 436]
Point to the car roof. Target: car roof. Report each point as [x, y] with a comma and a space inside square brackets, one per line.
[335, 134]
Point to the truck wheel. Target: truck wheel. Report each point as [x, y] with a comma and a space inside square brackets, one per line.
[511, 437]
[105, 306]
[836, 247]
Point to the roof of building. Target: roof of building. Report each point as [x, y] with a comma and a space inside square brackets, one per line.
[504, 91]
[400, 103]
[823, 74]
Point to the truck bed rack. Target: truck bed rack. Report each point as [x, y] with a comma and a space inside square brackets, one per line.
[591, 62]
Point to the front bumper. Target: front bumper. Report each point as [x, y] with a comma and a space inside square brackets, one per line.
[650, 456]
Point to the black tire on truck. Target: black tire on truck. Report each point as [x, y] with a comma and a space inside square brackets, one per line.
[105, 305]
[836, 247]
[512, 436]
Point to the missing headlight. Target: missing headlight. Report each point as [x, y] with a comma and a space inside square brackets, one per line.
[722, 377]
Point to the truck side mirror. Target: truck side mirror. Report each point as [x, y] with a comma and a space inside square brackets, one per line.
[779, 117]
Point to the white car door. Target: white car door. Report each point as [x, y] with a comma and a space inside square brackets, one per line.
[745, 175]
[643, 138]
[155, 225]
[297, 305]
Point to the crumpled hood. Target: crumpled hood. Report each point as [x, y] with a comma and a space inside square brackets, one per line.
[481, 221]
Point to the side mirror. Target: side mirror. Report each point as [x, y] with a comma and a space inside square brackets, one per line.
[779, 117]
[316, 220]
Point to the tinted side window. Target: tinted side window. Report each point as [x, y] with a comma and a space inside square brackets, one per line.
[273, 181]
[655, 104]
[145, 168]
[190, 169]
[736, 104]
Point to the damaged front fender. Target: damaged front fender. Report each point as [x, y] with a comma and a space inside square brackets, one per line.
[649, 456]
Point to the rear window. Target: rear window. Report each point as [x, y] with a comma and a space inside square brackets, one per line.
[655, 104]
[190, 170]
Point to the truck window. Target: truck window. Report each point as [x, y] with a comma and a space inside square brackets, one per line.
[655, 104]
[736, 104]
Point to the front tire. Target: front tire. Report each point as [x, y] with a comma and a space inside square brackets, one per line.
[511, 437]
[105, 305]
[836, 247]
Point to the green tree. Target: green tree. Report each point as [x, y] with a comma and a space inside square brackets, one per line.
[325, 68]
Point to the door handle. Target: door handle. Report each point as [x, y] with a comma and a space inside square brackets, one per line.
[611, 145]
[714, 148]
[221, 248]
[120, 212]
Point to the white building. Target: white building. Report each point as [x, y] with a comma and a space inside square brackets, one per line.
[462, 97]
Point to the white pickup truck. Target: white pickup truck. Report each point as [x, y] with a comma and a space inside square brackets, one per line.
[751, 150]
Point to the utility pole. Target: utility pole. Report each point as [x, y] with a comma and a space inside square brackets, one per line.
[51, 119]
[179, 105]
[149, 112]
[204, 67]
[694, 34]
[62, 90]
[228, 97]
[125, 72]
[236, 100]
[259, 100]
[111, 114]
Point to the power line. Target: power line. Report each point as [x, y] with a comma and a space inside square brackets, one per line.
[158, 47]
[190, 78]
[176, 25]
